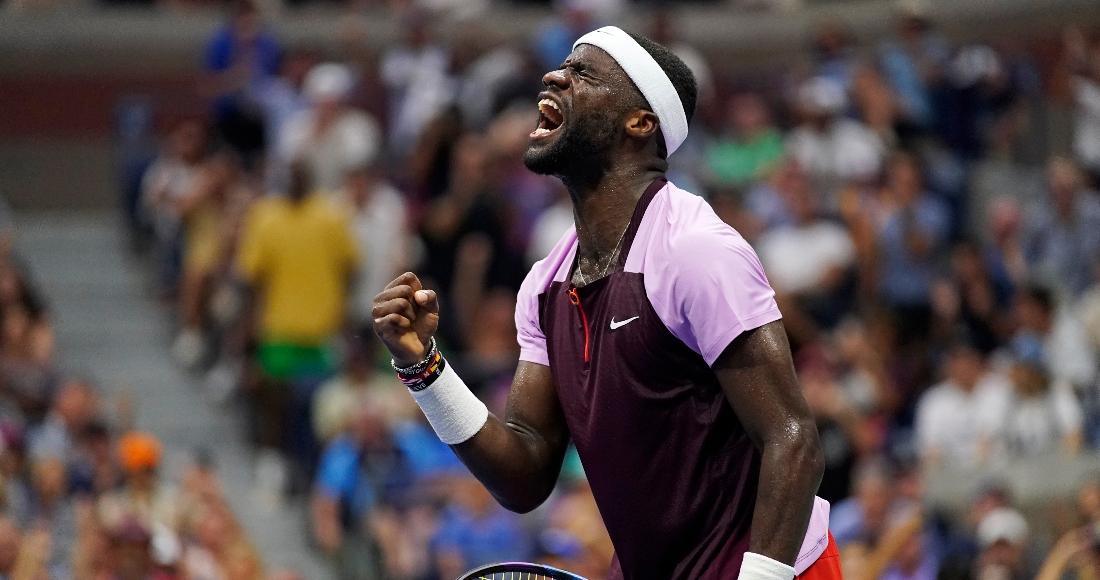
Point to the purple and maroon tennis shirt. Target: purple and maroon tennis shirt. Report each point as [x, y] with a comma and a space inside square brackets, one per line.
[672, 470]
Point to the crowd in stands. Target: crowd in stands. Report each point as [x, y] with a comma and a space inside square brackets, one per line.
[84, 496]
[932, 236]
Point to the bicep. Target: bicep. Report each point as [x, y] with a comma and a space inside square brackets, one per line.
[757, 375]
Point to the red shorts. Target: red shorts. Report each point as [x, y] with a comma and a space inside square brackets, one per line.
[827, 566]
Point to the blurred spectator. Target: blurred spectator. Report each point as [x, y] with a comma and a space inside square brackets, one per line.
[550, 226]
[297, 254]
[977, 97]
[358, 471]
[830, 146]
[338, 397]
[207, 222]
[1004, 252]
[875, 104]
[915, 558]
[95, 470]
[874, 504]
[750, 146]
[768, 202]
[1062, 232]
[958, 421]
[842, 417]
[26, 360]
[464, 230]
[330, 137]
[74, 407]
[238, 53]
[281, 99]
[170, 179]
[664, 31]
[1065, 343]
[1084, 60]
[143, 498]
[554, 42]
[810, 264]
[474, 530]
[834, 55]
[217, 549]
[1003, 537]
[1043, 416]
[972, 299]
[910, 228]
[380, 227]
[55, 512]
[574, 537]
[416, 74]
[914, 64]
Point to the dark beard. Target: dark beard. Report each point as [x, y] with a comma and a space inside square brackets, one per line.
[582, 153]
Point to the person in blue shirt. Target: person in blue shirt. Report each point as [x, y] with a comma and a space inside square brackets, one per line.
[359, 472]
[475, 530]
[240, 52]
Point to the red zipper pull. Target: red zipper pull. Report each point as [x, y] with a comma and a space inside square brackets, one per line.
[575, 300]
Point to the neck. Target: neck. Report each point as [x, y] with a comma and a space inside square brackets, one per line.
[603, 206]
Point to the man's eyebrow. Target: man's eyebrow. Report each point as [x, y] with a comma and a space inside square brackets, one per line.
[574, 64]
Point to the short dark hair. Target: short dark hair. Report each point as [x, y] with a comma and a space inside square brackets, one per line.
[683, 80]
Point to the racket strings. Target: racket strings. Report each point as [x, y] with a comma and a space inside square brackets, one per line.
[515, 576]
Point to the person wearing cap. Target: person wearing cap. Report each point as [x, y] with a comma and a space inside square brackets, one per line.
[1003, 539]
[330, 137]
[830, 146]
[649, 337]
[143, 498]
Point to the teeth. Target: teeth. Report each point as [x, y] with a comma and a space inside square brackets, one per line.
[541, 131]
[549, 103]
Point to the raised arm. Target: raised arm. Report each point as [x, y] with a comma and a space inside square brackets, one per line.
[758, 377]
[518, 459]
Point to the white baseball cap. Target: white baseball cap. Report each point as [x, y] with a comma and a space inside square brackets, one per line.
[328, 82]
[1002, 524]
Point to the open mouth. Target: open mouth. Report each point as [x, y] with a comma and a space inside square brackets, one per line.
[550, 118]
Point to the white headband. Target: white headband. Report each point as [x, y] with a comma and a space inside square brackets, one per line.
[648, 76]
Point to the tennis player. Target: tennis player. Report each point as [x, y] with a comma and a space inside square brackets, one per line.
[649, 336]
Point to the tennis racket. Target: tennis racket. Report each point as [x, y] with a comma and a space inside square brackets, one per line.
[518, 571]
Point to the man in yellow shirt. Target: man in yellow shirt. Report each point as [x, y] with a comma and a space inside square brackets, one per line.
[298, 256]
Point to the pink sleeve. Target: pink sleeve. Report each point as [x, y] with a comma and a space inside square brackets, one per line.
[712, 288]
[532, 342]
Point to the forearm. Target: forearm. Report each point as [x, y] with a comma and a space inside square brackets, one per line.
[517, 459]
[513, 462]
[790, 472]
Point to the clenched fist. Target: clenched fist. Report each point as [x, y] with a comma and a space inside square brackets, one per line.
[405, 318]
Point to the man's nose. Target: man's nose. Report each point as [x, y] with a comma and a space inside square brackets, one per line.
[556, 78]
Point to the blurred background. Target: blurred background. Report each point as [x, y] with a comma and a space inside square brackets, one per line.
[201, 198]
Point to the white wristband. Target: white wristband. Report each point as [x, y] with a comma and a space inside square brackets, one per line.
[454, 412]
[757, 567]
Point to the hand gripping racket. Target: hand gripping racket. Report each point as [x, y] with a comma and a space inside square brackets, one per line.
[518, 571]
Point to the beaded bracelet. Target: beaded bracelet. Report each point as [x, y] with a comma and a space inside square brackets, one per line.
[421, 375]
[418, 366]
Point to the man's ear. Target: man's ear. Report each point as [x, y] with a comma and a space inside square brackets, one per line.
[641, 124]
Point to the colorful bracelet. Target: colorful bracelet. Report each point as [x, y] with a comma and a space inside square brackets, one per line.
[422, 378]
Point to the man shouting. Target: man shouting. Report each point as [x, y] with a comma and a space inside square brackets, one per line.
[649, 337]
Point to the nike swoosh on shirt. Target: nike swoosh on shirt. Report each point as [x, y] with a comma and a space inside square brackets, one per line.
[615, 325]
